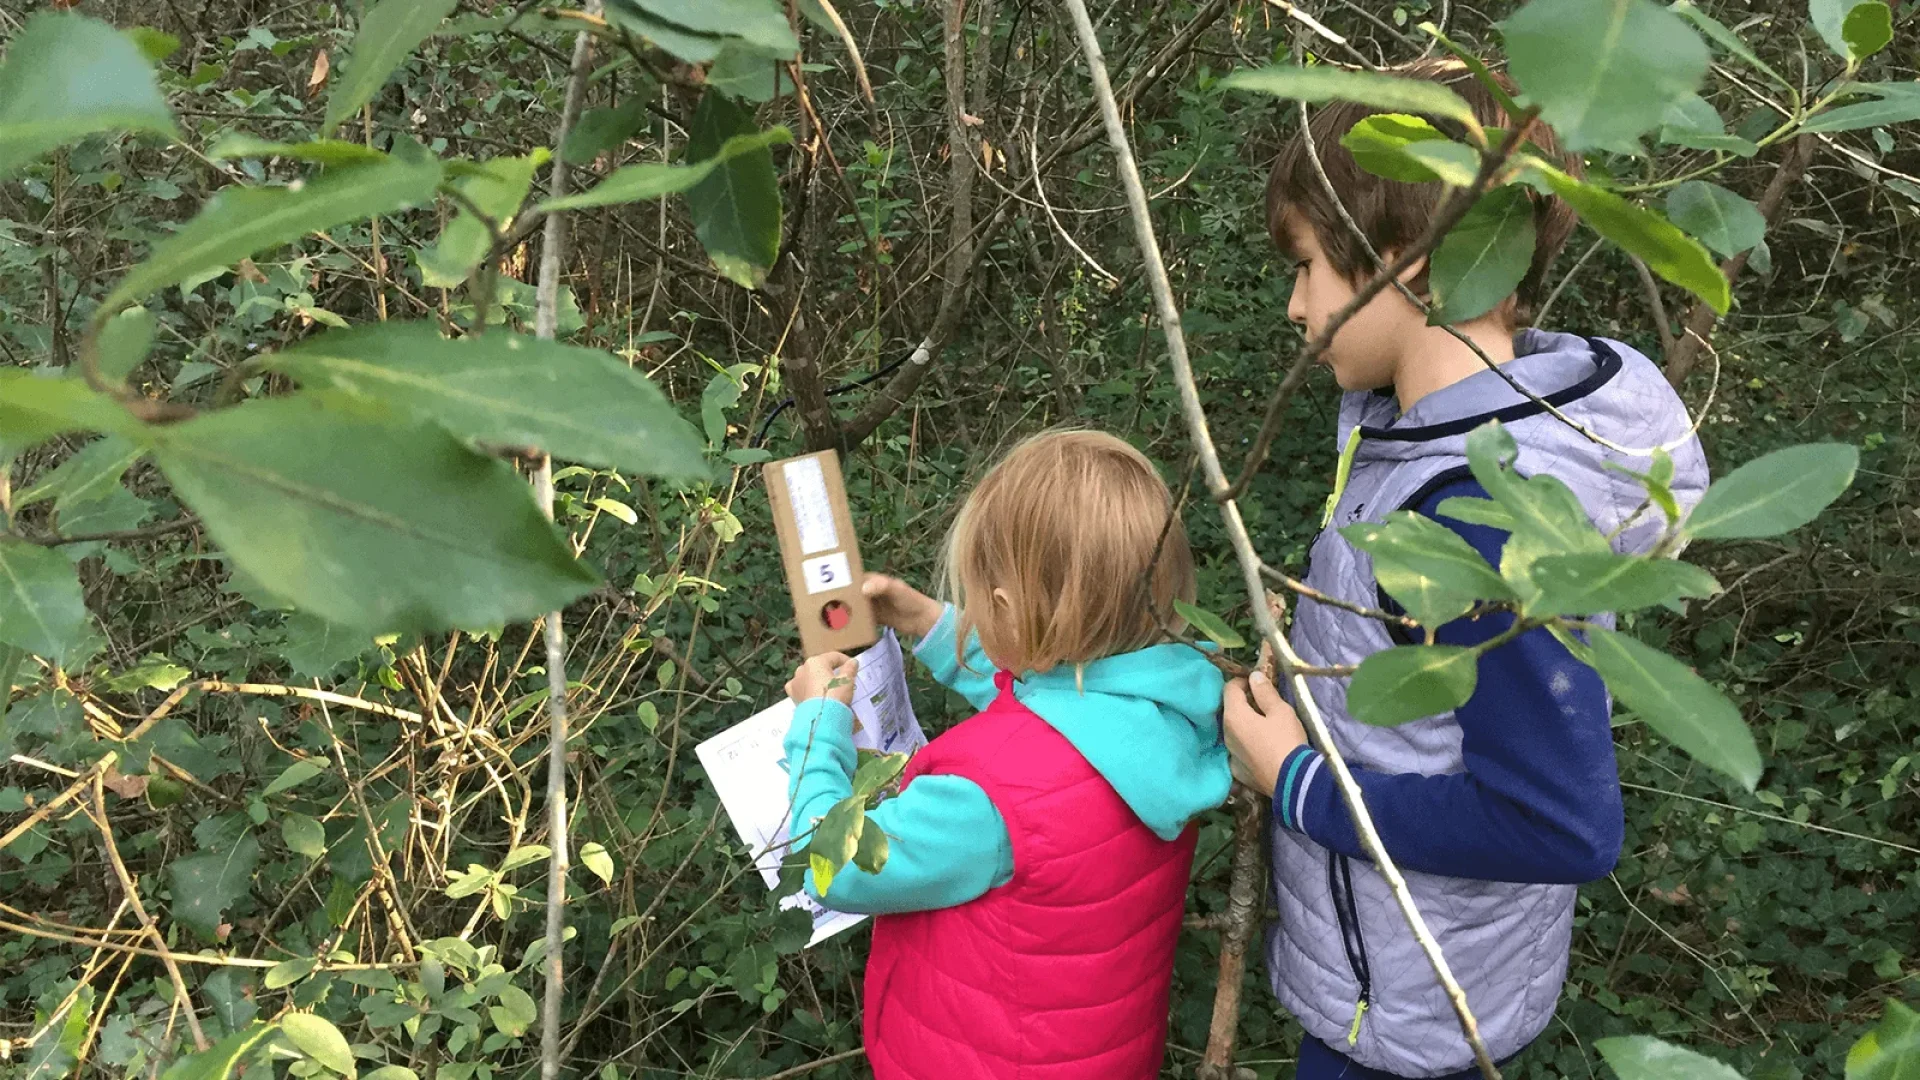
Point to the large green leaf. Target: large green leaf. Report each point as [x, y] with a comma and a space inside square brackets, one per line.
[1216, 628]
[600, 130]
[835, 840]
[207, 883]
[1896, 103]
[655, 179]
[1724, 37]
[1603, 71]
[1385, 92]
[240, 221]
[508, 390]
[391, 30]
[1641, 1057]
[1829, 18]
[1717, 217]
[42, 609]
[1666, 250]
[736, 206]
[1677, 703]
[1483, 259]
[87, 475]
[1774, 493]
[318, 151]
[1867, 29]
[1434, 574]
[1591, 584]
[1379, 143]
[1891, 1051]
[496, 188]
[316, 1036]
[762, 23]
[368, 520]
[689, 46]
[124, 342]
[1693, 123]
[66, 77]
[218, 1061]
[1412, 681]
[37, 405]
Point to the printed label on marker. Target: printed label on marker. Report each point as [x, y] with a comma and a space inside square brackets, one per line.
[826, 573]
[812, 509]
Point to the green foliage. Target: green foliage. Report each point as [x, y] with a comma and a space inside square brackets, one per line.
[1409, 682]
[1894, 103]
[1666, 250]
[1676, 702]
[1213, 626]
[1602, 74]
[41, 608]
[1890, 1051]
[755, 22]
[391, 30]
[1720, 219]
[318, 1039]
[1379, 145]
[1425, 566]
[223, 1058]
[736, 205]
[1385, 92]
[1639, 1057]
[1776, 493]
[1483, 258]
[653, 180]
[494, 189]
[1592, 584]
[67, 76]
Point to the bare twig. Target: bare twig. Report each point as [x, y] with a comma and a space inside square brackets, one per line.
[132, 893]
[1244, 552]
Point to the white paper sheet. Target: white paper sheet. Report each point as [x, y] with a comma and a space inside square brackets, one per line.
[748, 767]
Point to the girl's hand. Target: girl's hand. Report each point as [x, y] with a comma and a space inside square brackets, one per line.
[829, 675]
[1261, 730]
[901, 606]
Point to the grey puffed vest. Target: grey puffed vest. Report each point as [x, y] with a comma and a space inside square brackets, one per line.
[1340, 938]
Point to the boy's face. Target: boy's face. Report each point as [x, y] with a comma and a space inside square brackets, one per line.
[1366, 353]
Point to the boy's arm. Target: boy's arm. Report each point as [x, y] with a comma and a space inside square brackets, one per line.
[1540, 799]
[946, 842]
[971, 679]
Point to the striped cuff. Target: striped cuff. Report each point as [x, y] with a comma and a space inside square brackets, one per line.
[1297, 774]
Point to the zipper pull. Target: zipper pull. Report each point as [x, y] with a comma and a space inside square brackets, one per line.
[1359, 1013]
[1341, 474]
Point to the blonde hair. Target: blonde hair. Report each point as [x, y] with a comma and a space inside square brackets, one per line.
[1067, 526]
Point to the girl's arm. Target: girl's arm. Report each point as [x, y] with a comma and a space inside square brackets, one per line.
[946, 844]
[971, 677]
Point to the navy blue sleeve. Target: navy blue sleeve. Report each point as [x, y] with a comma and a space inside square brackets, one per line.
[1540, 799]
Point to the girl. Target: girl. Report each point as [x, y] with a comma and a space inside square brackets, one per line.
[1038, 852]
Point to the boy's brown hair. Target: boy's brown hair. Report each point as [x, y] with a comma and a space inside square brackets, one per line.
[1068, 525]
[1394, 214]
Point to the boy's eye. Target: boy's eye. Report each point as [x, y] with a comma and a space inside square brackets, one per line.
[1300, 265]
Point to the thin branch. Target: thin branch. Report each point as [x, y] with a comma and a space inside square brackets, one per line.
[132, 893]
[1661, 324]
[1540, 317]
[1244, 552]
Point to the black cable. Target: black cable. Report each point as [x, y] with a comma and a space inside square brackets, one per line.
[760, 440]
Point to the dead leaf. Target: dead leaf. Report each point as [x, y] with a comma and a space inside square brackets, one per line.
[1677, 896]
[970, 120]
[220, 932]
[246, 271]
[127, 787]
[321, 67]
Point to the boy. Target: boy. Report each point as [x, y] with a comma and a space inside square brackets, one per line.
[1495, 811]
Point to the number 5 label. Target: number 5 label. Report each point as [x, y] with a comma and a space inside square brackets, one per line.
[827, 573]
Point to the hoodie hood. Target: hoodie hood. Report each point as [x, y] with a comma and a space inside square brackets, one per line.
[1149, 722]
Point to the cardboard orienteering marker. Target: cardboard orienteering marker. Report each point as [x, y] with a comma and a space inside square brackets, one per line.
[821, 553]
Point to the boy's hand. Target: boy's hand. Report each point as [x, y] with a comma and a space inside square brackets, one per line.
[1261, 730]
[829, 675]
[901, 606]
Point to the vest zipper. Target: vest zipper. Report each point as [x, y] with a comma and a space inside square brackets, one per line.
[1347, 913]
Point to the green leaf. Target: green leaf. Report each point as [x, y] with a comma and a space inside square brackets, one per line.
[316, 1037]
[629, 15]
[1379, 143]
[507, 390]
[206, 884]
[1602, 73]
[1728, 40]
[1774, 493]
[293, 776]
[762, 23]
[153, 672]
[1830, 17]
[320, 151]
[1591, 584]
[287, 972]
[241, 221]
[315, 647]
[84, 477]
[1477, 512]
[37, 405]
[1385, 92]
[594, 857]
[871, 853]
[600, 130]
[57, 1049]
[1666, 250]
[123, 343]
[1210, 624]
[218, 1061]
[1891, 1051]
[391, 30]
[1409, 682]
[1639, 1057]
[1483, 259]
[1677, 703]
[1898, 103]
[748, 73]
[392, 1072]
[516, 1005]
[836, 838]
[1720, 219]
[1867, 29]
[524, 855]
[42, 609]
[618, 509]
[66, 77]
[1693, 123]
[496, 188]
[1449, 162]
[736, 206]
[879, 771]
[369, 522]
[304, 836]
[1434, 574]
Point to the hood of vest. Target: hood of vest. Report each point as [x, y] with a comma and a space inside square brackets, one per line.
[1148, 722]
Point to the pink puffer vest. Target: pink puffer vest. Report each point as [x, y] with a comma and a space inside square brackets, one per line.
[1060, 974]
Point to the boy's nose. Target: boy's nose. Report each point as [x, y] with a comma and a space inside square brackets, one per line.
[1297, 303]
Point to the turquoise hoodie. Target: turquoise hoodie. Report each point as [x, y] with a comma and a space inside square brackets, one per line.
[1148, 721]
